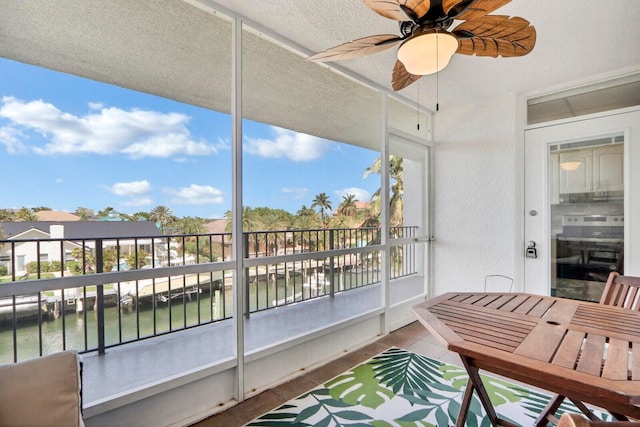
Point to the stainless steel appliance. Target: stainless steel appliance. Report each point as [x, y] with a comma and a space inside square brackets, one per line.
[588, 249]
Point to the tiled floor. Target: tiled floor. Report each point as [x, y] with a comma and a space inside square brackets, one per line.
[413, 337]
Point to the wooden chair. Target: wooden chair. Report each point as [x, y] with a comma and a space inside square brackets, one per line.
[622, 291]
[576, 420]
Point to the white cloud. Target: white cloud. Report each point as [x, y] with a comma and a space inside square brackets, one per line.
[96, 105]
[287, 144]
[196, 195]
[9, 138]
[299, 193]
[137, 133]
[361, 194]
[131, 189]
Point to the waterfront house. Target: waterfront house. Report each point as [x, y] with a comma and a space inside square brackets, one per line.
[71, 233]
[482, 142]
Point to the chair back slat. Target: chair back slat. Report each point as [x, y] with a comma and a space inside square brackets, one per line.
[622, 291]
[633, 296]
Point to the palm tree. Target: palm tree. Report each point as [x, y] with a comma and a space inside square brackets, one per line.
[322, 201]
[251, 221]
[162, 215]
[198, 246]
[140, 216]
[348, 206]
[26, 214]
[305, 223]
[3, 236]
[6, 215]
[272, 220]
[396, 207]
[105, 212]
[84, 213]
[305, 211]
[189, 225]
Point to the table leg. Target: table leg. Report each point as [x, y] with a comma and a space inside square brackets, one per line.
[619, 417]
[475, 383]
[548, 414]
[585, 410]
[466, 402]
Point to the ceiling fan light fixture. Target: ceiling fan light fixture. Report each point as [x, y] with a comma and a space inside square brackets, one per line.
[427, 52]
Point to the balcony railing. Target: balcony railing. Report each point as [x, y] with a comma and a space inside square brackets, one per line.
[93, 294]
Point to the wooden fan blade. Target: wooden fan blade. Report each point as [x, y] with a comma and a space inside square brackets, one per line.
[400, 10]
[477, 9]
[419, 7]
[449, 5]
[496, 35]
[401, 78]
[357, 48]
[388, 8]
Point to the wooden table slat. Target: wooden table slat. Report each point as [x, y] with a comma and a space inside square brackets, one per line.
[529, 304]
[479, 310]
[500, 302]
[516, 301]
[619, 323]
[541, 307]
[437, 328]
[493, 330]
[544, 340]
[520, 328]
[490, 343]
[592, 355]
[616, 365]
[569, 350]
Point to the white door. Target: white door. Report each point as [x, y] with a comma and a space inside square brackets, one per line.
[542, 145]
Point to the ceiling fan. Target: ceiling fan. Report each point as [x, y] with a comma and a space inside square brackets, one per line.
[427, 45]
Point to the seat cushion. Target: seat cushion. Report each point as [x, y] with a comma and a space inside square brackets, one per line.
[42, 392]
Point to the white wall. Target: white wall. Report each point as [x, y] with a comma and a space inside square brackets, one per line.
[476, 214]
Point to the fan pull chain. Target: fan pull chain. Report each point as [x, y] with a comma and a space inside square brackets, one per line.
[437, 92]
[418, 109]
[437, 76]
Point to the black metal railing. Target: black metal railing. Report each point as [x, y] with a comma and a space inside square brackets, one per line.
[92, 294]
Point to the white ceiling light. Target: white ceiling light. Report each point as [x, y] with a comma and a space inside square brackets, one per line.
[427, 52]
[570, 166]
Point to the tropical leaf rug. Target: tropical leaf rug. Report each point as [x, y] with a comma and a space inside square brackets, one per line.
[402, 388]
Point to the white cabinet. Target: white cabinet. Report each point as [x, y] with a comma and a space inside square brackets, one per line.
[608, 168]
[592, 169]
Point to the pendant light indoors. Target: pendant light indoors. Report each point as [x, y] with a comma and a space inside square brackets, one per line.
[427, 52]
[570, 166]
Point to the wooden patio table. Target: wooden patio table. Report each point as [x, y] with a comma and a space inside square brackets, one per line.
[586, 352]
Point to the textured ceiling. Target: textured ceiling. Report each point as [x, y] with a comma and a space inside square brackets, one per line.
[173, 49]
[575, 39]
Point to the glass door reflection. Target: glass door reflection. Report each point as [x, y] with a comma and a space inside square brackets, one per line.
[586, 215]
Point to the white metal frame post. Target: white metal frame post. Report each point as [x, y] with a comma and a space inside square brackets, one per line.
[384, 213]
[238, 241]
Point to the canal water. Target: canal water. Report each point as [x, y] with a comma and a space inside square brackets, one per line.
[78, 330]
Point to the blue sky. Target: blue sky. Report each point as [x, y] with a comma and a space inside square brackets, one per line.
[68, 142]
